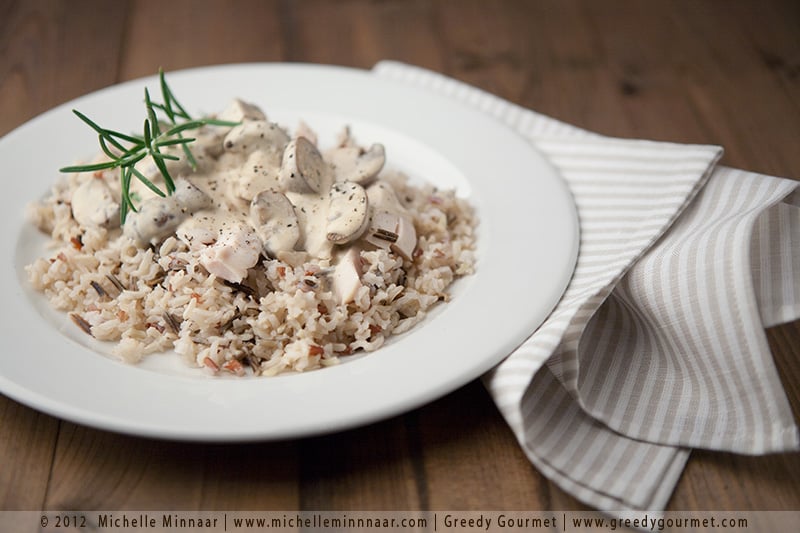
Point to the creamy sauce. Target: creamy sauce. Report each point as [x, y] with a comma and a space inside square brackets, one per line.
[322, 205]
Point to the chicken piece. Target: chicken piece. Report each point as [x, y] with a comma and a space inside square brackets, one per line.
[346, 277]
[275, 221]
[236, 251]
[197, 233]
[304, 130]
[239, 111]
[257, 174]
[406, 237]
[94, 205]
[253, 135]
[382, 196]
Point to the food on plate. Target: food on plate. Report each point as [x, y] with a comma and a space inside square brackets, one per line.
[243, 246]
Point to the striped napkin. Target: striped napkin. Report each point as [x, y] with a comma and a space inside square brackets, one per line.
[658, 345]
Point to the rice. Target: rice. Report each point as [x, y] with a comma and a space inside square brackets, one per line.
[282, 317]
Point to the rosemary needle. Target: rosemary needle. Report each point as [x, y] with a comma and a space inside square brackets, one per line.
[124, 151]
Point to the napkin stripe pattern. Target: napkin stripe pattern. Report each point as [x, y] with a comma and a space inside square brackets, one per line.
[615, 472]
[695, 328]
[775, 259]
[633, 345]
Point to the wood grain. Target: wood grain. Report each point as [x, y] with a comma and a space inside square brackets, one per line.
[681, 71]
[55, 51]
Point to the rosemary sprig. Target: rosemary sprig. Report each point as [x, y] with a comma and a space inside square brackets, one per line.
[124, 151]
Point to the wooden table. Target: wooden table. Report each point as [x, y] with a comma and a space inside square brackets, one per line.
[725, 73]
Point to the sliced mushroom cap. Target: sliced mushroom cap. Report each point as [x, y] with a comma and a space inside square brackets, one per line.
[275, 221]
[210, 137]
[382, 231]
[303, 169]
[346, 277]
[391, 226]
[352, 163]
[189, 197]
[393, 231]
[254, 135]
[94, 205]
[158, 217]
[347, 212]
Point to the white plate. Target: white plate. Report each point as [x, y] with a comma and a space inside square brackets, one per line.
[527, 238]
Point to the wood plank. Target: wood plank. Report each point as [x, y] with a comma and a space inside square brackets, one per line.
[471, 460]
[253, 476]
[39, 42]
[100, 470]
[748, 108]
[37, 45]
[361, 33]
[187, 33]
[722, 481]
[26, 444]
[784, 342]
[362, 469]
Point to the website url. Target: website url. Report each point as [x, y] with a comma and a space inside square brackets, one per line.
[659, 523]
[333, 522]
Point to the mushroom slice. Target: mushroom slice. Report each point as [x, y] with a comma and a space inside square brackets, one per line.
[189, 197]
[347, 212]
[352, 163]
[236, 251]
[257, 135]
[346, 277]
[158, 217]
[210, 137]
[382, 230]
[303, 169]
[392, 231]
[275, 221]
[94, 205]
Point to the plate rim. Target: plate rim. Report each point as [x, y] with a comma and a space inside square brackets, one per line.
[47, 404]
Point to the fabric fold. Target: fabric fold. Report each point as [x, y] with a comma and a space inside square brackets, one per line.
[702, 375]
[657, 344]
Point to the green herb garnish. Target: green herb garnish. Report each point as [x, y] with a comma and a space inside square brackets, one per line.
[126, 150]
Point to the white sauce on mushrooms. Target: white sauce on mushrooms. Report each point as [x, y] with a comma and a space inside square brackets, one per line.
[258, 191]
